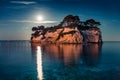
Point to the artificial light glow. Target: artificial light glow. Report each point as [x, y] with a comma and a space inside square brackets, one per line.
[39, 18]
[39, 63]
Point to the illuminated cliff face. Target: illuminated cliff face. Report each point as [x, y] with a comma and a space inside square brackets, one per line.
[37, 39]
[71, 35]
[63, 35]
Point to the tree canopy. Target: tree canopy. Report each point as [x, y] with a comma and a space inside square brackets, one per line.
[92, 23]
[71, 18]
[37, 30]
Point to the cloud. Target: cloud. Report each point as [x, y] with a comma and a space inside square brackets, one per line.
[30, 21]
[23, 2]
[17, 7]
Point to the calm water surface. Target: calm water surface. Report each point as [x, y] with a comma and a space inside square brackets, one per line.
[21, 60]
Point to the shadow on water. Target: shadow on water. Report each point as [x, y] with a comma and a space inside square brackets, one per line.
[91, 54]
[65, 61]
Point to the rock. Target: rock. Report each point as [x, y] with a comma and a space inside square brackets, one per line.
[37, 39]
[70, 35]
[92, 35]
[70, 30]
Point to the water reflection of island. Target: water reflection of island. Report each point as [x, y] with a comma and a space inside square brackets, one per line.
[64, 57]
[71, 53]
[91, 54]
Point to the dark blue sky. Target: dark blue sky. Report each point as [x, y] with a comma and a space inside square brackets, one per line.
[17, 17]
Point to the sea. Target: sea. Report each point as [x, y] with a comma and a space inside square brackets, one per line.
[22, 60]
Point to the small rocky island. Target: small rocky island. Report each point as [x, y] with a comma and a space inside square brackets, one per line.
[70, 30]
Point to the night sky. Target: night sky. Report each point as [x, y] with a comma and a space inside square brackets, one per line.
[17, 17]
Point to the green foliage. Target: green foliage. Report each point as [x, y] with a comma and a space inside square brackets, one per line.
[37, 30]
[71, 18]
[92, 23]
[74, 25]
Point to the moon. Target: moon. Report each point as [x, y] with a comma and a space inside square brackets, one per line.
[39, 18]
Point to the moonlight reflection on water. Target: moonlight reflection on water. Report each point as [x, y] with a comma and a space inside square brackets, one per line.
[39, 63]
